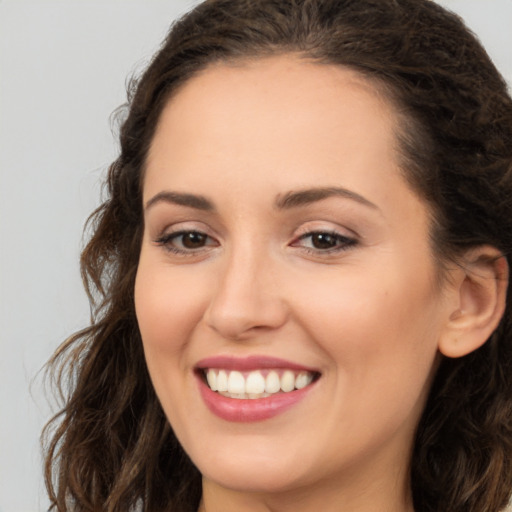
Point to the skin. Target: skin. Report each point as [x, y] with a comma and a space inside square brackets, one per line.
[369, 315]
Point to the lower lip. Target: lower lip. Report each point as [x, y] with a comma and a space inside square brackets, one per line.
[249, 410]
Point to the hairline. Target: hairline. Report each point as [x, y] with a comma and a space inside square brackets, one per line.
[406, 128]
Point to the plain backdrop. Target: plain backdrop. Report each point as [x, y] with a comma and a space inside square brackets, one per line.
[63, 68]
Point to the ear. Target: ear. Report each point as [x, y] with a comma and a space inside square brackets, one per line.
[479, 293]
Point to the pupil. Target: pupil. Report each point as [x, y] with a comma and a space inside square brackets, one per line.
[193, 240]
[323, 241]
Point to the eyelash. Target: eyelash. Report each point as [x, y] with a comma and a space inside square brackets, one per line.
[167, 240]
[342, 243]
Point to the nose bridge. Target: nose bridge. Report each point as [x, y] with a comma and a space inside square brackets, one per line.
[246, 298]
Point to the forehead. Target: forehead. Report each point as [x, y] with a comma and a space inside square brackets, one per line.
[245, 136]
[278, 74]
[281, 112]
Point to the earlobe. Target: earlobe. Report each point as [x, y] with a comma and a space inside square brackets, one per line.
[480, 290]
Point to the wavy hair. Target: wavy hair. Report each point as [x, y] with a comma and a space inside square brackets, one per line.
[111, 448]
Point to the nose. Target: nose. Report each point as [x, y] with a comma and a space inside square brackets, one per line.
[247, 300]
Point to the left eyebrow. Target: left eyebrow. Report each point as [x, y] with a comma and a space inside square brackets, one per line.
[297, 198]
[191, 200]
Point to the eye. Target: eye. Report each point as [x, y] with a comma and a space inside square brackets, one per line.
[183, 242]
[324, 241]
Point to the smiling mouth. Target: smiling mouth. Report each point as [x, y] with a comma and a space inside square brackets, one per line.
[257, 383]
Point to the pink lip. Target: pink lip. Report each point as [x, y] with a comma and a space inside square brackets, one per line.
[250, 363]
[249, 410]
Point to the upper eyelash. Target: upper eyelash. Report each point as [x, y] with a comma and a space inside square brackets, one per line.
[347, 242]
[165, 239]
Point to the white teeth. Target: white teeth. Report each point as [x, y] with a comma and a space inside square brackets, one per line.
[236, 383]
[258, 395]
[303, 379]
[251, 396]
[222, 381]
[255, 383]
[238, 395]
[252, 385]
[272, 384]
[288, 381]
[211, 377]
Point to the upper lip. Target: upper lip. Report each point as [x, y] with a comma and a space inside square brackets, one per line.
[250, 363]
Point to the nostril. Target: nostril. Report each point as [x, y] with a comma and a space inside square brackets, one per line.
[243, 319]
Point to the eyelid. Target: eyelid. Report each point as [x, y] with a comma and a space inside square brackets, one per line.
[168, 239]
[325, 227]
[344, 239]
[176, 234]
[183, 226]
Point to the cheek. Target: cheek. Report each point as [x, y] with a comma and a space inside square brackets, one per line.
[168, 308]
[379, 330]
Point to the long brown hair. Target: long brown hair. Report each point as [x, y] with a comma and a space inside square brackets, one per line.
[111, 447]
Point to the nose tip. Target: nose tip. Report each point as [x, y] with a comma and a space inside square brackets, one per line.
[235, 328]
[238, 318]
[244, 305]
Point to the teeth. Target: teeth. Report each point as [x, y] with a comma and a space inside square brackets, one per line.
[252, 385]
[236, 383]
[303, 380]
[272, 383]
[211, 377]
[244, 395]
[222, 380]
[257, 395]
[255, 383]
[288, 381]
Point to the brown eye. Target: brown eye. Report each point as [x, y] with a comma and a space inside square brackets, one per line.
[186, 242]
[324, 240]
[193, 240]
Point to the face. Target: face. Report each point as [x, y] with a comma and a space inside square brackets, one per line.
[286, 260]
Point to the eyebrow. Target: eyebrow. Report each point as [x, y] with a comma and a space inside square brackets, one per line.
[286, 201]
[191, 200]
[298, 198]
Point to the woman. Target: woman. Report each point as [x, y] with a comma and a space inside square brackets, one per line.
[300, 273]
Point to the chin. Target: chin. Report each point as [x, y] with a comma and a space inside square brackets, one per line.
[252, 478]
[260, 469]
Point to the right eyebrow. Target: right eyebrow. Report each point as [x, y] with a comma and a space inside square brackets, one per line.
[298, 198]
[191, 200]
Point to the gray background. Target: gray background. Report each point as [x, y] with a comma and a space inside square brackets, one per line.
[63, 66]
